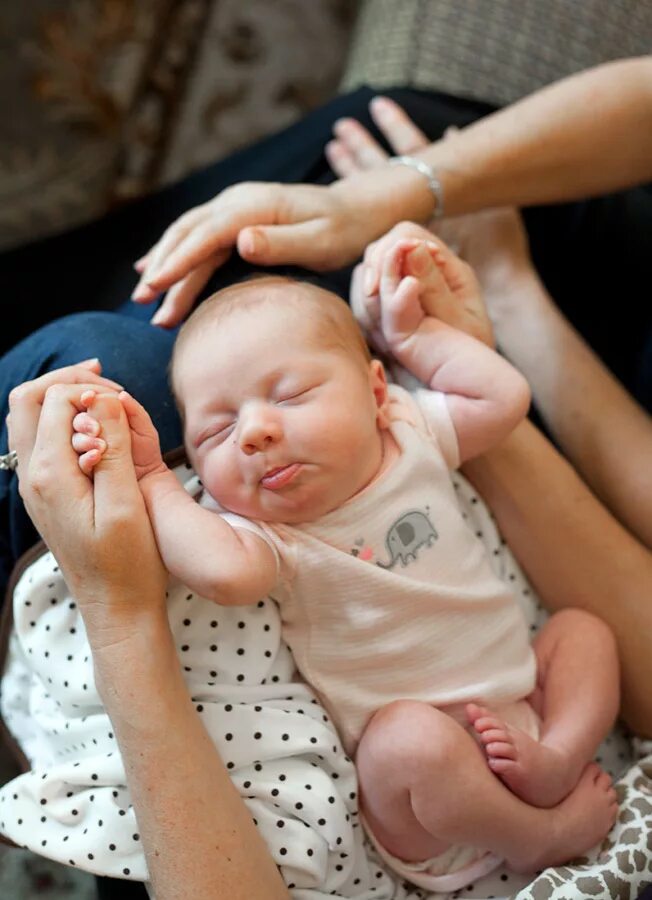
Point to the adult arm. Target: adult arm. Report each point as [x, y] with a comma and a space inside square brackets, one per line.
[599, 427]
[198, 836]
[574, 551]
[590, 133]
[587, 134]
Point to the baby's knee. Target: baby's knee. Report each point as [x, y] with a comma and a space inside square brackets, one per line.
[407, 735]
[586, 627]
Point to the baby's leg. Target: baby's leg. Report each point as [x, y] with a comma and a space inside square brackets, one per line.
[424, 785]
[577, 698]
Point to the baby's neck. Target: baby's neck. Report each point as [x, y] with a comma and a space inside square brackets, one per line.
[389, 454]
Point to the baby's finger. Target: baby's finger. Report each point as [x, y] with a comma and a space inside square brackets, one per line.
[392, 266]
[402, 134]
[88, 461]
[401, 312]
[83, 443]
[137, 416]
[85, 424]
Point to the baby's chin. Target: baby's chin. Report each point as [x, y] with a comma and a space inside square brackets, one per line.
[275, 507]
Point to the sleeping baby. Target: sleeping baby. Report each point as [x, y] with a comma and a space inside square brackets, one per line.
[331, 491]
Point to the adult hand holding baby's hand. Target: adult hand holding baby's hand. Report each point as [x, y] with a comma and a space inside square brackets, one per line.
[449, 290]
[99, 530]
[145, 446]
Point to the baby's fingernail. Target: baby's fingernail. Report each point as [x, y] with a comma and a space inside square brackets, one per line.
[158, 318]
[88, 363]
[369, 281]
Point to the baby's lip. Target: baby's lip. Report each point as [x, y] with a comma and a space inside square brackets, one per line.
[277, 478]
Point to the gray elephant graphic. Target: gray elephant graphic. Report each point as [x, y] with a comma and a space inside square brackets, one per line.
[406, 536]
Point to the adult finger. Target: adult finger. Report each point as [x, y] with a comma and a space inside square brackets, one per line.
[235, 208]
[174, 235]
[402, 134]
[364, 149]
[312, 244]
[49, 469]
[181, 298]
[340, 158]
[26, 401]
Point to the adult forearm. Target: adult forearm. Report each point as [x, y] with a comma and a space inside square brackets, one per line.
[592, 417]
[585, 135]
[198, 836]
[574, 551]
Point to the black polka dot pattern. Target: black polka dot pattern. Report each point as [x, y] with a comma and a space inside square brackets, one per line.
[277, 743]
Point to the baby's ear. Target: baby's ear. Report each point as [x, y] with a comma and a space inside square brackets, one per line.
[378, 383]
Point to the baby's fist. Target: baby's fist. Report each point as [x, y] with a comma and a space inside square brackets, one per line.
[86, 440]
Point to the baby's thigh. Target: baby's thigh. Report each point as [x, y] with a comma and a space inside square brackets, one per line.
[407, 747]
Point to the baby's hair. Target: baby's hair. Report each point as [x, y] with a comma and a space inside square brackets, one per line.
[335, 325]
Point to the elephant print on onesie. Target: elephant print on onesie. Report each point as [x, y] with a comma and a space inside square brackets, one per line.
[407, 535]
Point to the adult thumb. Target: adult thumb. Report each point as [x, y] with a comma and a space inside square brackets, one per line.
[301, 244]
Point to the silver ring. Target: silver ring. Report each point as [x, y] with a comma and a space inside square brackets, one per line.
[9, 461]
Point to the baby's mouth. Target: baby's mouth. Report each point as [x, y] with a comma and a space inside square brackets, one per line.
[277, 478]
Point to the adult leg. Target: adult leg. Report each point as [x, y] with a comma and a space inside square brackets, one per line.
[133, 353]
[424, 785]
[577, 698]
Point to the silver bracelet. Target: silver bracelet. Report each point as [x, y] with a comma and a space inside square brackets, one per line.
[434, 183]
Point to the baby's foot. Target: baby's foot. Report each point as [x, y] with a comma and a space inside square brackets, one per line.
[449, 289]
[539, 774]
[578, 824]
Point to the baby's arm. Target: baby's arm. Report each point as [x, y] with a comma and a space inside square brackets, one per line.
[486, 396]
[231, 566]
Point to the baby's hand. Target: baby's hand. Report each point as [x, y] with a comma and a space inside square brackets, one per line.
[145, 449]
[448, 290]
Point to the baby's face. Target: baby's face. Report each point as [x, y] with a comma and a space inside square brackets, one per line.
[278, 426]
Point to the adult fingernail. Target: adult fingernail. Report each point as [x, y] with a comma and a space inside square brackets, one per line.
[251, 243]
[158, 318]
[379, 103]
[93, 361]
[144, 292]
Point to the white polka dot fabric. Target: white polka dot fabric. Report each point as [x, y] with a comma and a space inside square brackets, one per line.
[275, 739]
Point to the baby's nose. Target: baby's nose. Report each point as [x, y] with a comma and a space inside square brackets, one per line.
[258, 433]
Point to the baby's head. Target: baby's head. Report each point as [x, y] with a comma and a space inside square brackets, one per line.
[282, 405]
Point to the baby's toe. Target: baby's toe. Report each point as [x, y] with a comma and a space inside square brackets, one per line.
[494, 734]
[501, 749]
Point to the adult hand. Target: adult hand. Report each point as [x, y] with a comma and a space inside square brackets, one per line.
[313, 226]
[353, 149]
[98, 531]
